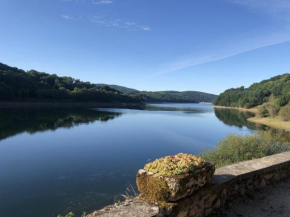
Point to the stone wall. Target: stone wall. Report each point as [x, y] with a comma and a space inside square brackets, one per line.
[229, 183]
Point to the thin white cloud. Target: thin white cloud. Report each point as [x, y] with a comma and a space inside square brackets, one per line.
[95, 2]
[145, 28]
[208, 58]
[278, 9]
[271, 6]
[117, 23]
[102, 2]
[67, 17]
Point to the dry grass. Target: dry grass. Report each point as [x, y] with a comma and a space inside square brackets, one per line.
[275, 122]
[252, 110]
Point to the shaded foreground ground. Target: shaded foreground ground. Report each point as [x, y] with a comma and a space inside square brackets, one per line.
[272, 201]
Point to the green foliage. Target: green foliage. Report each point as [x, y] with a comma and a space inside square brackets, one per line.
[272, 108]
[237, 148]
[257, 94]
[167, 96]
[71, 214]
[176, 97]
[121, 88]
[16, 84]
[285, 113]
[175, 165]
[262, 111]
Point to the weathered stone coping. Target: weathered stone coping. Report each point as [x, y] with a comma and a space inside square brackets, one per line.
[229, 182]
[246, 169]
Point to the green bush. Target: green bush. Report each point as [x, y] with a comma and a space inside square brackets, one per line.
[269, 109]
[262, 111]
[71, 214]
[273, 109]
[285, 113]
[237, 148]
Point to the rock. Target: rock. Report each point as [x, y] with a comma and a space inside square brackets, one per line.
[183, 214]
[208, 212]
[269, 176]
[192, 212]
[156, 187]
[209, 201]
[217, 204]
[242, 191]
[132, 208]
[205, 193]
[262, 184]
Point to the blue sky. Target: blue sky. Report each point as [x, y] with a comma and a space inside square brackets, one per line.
[203, 45]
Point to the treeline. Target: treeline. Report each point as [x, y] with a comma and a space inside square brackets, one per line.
[17, 84]
[167, 96]
[176, 97]
[258, 93]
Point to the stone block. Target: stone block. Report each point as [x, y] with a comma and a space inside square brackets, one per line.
[157, 187]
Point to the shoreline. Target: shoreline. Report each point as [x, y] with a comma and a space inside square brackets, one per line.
[276, 122]
[5, 105]
[252, 110]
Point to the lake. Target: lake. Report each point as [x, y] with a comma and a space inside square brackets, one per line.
[54, 161]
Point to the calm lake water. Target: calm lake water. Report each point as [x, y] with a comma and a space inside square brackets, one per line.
[54, 161]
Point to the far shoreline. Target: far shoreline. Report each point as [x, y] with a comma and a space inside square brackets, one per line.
[31, 104]
[6, 105]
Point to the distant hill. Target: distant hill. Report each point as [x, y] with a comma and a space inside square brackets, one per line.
[167, 96]
[177, 97]
[257, 94]
[17, 84]
[120, 88]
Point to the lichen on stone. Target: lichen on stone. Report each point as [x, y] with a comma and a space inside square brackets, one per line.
[175, 164]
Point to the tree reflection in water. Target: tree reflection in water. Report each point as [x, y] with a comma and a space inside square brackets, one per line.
[16, 121]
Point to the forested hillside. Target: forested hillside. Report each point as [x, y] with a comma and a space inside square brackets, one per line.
[120, 88]
[258, 93]
[177, 97]
[168, 96]
[17, 84]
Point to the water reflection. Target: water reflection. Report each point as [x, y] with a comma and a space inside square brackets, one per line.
[234, 117]
[85, 164]
[185, 108]
[16, 121]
